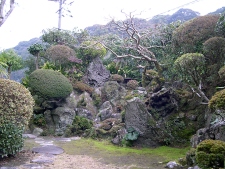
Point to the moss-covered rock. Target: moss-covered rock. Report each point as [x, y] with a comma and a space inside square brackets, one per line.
[49, 84]
[16, 103]
[117, 77]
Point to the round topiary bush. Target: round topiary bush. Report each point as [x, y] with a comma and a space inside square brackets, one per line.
[16, 103]
[210, 154]
[117, 77]
[132, 84]
[49, 84]
[218, 100]
[16, 109]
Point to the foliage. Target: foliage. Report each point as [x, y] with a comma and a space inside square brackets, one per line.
[35, 49]
[148, 76]
[55, 36]
[222, 72]
[81, 87]
[3, 71]
[90, 50]
[191, 157]
[210, 154]
[190, 36]
[132, 84]
[218, 100]
[214, 50]
[16, 103]
[39, 120]
[79, 126]
[220, 26]
[117, 78]
[191, 67]
[11, 139]
[11, 61]
[49, 84]
[132, 134]
[61, 56]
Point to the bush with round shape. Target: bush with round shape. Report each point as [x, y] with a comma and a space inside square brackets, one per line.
[16, 109]
[222, 73]
[117, 78]
[210, 154]
[218, 100]
[190, 36]
[132, 84]
[16, 103]
[82, 87]
[49, 84]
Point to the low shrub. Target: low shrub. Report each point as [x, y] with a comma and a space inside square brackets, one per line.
[210, 154]
[79, 126]
[39, 120]
[118, 78]
[132, 84]
[218, 100]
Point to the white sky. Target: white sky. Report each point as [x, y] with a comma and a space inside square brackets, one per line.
[30, 17]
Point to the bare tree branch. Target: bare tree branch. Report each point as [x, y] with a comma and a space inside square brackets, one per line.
[3, 17]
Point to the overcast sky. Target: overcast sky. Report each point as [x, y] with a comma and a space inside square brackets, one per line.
[30, 17]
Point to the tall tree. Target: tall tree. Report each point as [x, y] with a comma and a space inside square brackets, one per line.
[4, 11]
[133, 42]
[35, 50]
[62, 5]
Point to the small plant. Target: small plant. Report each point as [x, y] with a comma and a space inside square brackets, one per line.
[96, 99]
[131, 136]
[118, 78]
[79, 126]
[39, 120]
[81, 103]
[11, 139]
[132, 84]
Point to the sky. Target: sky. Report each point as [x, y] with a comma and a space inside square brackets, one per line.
[30, 17]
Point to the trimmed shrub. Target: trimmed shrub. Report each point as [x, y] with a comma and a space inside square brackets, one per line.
[222, 72]
[132, 84]
[16, 103]
[218, 100]
[11, 139]
[210, 154]
[16, 108]
[49, 84]
[118, 78]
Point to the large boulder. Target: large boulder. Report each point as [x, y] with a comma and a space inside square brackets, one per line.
[214, 132]
[96, 74]
[105, 111]
[138, 118]
[62, 117]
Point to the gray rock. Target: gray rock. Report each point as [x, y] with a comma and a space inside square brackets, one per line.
[171, 164]
[49, 119]
[37, 131]
[105, 111]
[62, 117]
[195, 167]
[9, 168]
[113, 92]
[29, 136]
[83, 113]
[50, 149]
[119, 137]
[96, 74]
[215, 132]
[32, 166]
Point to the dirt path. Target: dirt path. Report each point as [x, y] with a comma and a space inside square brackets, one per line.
[84, 155]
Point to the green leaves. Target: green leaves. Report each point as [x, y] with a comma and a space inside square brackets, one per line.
[11, 140]
[35, 49]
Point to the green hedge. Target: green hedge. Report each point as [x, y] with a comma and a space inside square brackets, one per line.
[49, 84]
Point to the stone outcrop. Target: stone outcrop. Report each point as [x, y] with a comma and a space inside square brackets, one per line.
[62, 117]
[96, 74]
